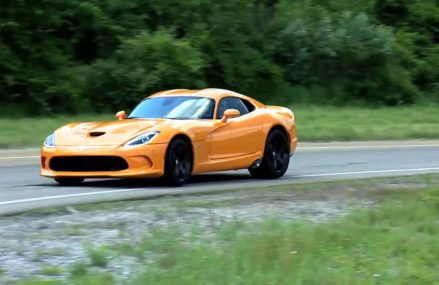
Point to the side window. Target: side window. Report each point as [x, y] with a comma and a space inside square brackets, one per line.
[231, 103]
[250, 106]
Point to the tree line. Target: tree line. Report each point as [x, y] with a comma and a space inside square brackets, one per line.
[96, 55]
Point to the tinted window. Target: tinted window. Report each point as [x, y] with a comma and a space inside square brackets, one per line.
[175, 107]
[250, 106]
[231, 103]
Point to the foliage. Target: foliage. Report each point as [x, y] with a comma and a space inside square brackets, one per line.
[145, 63]
[351, 53]
[91, 55]
[99, 256]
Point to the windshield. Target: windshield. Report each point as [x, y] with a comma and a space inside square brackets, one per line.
[175, 107]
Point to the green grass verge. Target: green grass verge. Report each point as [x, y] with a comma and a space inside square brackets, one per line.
[313, 124]
[31, 132]
[356, 123]
[396, 242]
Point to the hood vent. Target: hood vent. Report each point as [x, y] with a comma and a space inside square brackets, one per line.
[96, 134]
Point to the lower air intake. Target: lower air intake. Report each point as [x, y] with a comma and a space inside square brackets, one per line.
[88, 163]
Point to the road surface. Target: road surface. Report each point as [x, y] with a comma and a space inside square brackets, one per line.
[22, 189]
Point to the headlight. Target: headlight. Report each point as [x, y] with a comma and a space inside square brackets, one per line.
[50, 141]
[142, 139]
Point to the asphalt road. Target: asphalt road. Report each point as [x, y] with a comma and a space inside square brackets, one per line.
[22, 189]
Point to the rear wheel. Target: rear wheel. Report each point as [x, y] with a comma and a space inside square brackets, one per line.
[276, 157]
[69, 181]
[178, 163]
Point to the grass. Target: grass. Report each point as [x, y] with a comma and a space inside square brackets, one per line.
[31, 132]
[90, 279]
[99, 256]
[40, 281]
[78, 270]
[51, 271]
[313, 124]
[395, 242]
[356, 123]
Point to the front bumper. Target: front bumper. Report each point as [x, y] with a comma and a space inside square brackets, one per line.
[146, 161]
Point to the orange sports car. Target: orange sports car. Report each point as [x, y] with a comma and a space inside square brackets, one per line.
[175, 134]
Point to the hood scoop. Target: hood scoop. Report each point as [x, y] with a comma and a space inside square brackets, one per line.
[96, 134]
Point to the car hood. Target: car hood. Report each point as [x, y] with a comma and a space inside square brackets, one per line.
[104, 133]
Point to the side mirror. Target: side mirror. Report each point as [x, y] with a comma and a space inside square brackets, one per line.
[121, 115]
[230, 113]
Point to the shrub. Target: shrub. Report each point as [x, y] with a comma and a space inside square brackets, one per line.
[142, 65]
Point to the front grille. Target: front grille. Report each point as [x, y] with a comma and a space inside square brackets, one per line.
[88, 163]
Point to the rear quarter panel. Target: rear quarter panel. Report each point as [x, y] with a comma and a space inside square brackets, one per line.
[282, 116]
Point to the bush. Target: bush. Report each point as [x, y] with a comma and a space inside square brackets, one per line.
[71, 56]
[142, 65]
[351, 53]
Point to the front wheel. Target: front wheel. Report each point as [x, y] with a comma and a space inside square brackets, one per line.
[69, 181]
[276, 157]
[178, 163]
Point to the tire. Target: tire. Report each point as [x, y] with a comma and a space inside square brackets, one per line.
[276, 157]
[178, 163]
[69, 181]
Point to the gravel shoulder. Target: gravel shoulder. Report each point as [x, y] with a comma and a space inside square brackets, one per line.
[59, 237]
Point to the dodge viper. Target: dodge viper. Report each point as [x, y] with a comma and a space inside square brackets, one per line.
[174, 134]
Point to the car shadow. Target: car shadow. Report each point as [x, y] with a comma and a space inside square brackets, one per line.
[195, 180]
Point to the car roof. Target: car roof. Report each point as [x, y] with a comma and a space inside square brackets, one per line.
[214, 93]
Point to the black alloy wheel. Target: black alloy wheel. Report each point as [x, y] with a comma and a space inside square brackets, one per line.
[276, 157]
[69, 181]
[178, 163]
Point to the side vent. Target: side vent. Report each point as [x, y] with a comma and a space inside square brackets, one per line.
[96, 134]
